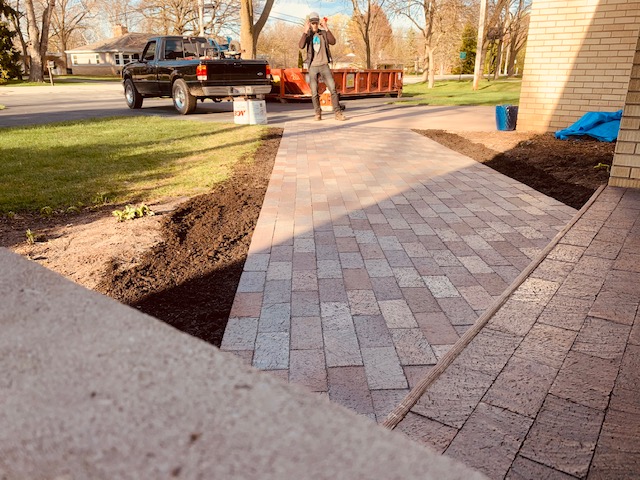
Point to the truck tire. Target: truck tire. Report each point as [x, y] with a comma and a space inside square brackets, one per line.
[184, 102]
[131, 95]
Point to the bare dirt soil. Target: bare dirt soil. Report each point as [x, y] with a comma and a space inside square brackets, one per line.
[183, 265]
[562, 169]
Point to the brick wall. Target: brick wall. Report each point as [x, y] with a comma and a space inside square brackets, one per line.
[579, 58]
[626, 162]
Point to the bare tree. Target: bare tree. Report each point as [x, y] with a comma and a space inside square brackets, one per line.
[249, 32]
[38, 23]
[342, 51]
[516, 32]
[279, 43]
[16, 18]
[170, 17]
[221, 14]
[120, 12]
[435, 20]
[67, 20]
[373, 29]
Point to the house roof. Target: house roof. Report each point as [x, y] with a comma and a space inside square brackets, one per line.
[129, 42]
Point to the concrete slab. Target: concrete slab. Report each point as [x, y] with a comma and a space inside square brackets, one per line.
[93, 389]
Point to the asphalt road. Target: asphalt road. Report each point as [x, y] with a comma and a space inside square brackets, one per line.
[36, 105]
[45, 104]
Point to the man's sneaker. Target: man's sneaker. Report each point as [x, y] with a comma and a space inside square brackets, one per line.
[340, 116]
[318, 116]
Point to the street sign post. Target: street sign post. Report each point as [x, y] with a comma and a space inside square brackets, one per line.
[463, 56]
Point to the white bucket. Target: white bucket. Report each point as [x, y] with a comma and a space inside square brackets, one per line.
[250, 112]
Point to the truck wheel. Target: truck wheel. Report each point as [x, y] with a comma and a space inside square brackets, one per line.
[131, 95]
[184, 102]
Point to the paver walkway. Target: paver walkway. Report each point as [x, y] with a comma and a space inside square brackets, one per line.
[550, 387]
[375, 250]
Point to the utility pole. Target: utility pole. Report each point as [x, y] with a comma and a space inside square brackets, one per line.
[201, 16]
[477, 71]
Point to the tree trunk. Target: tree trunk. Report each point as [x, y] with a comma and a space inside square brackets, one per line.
[23, 45]
[249, 32]
[38, 40]
[246, 29]
[367, 44]
[511, 64]
[481, 48]
[496, 73]
[432, 69]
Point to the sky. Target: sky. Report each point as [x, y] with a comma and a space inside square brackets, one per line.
[295, 11]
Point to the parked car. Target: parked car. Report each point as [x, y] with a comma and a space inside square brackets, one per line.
[191, 68]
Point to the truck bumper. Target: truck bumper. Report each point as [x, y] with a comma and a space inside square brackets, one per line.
[232, 91]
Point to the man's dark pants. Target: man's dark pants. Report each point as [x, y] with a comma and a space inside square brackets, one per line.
[325, 72]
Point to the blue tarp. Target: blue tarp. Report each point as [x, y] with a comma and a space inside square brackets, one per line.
[602, 126]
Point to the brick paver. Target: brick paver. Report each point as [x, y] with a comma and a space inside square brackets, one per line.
[557, 395]
[375, 250]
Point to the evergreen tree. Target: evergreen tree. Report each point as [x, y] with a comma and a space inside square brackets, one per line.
[469, 43]
[300, 60]
[9, 57]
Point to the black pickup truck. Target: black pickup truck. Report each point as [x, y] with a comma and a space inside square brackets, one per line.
[191, 68]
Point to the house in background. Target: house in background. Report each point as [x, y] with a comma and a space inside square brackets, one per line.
[107, 57]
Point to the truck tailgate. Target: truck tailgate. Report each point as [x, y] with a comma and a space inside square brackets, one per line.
[229, 72]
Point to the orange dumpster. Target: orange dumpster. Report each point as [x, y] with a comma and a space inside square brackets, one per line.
[293, 83]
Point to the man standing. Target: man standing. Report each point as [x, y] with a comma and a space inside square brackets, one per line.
[316, 40]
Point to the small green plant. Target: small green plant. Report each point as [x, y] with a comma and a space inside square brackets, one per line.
[33, 237]
[130, 212]
[603, 165]
[11, 215]
[46, 211]
[100, 199]
[73, 209]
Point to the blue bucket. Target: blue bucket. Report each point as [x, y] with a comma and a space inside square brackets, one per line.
[506, 117]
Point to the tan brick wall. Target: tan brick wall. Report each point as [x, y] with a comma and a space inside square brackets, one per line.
[626, 162]
[579, 57]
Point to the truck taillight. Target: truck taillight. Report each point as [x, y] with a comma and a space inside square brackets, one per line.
[201, 72]
[268, 70]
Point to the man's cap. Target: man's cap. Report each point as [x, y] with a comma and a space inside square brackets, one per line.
[314, 17]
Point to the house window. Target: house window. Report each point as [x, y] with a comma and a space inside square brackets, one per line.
[74, 59]
[117, 58]
[97, 59]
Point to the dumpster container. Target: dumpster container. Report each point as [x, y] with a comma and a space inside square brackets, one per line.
[506, 117]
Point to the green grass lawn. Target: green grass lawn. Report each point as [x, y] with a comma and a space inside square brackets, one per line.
[117, 161]
[452, 92]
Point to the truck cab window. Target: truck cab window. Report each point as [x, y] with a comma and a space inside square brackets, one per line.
[173, 49]
[149, 52]
[195, 47]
